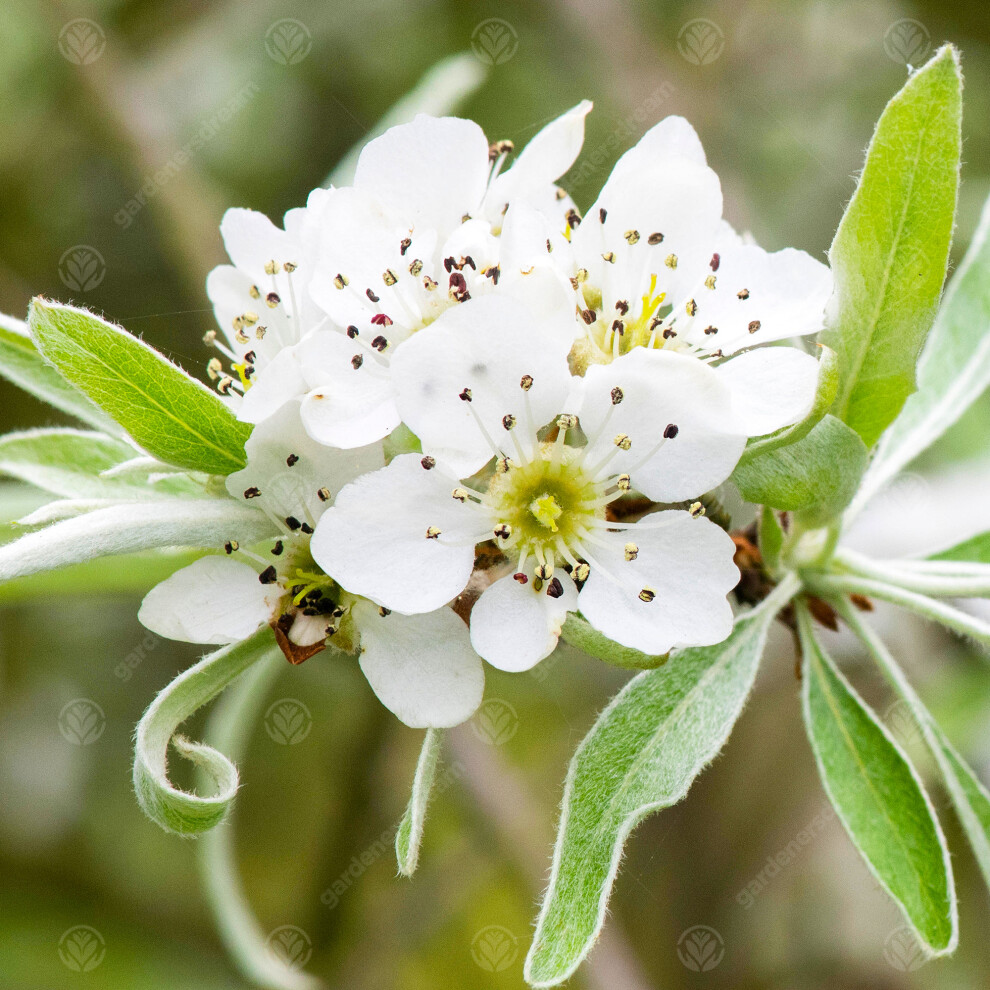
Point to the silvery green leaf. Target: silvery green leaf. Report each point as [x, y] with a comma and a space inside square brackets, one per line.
[658, 733]
[410, 833]
[132, 526]
[78, 464]
[953, 372]
[21, 364]
[173, 809]
[878, 797]
[582, 635]
[891, 249]
[771, 538]
[168, 413]
[817, 476]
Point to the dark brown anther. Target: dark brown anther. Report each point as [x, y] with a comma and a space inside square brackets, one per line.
[555, 589]
[352, 331]
[380, 343]
[292, 459]
[278, 548]
[357, 361]
[269, 575]
[404, 245]
[714, 263]
[654, 239]
[861, 602]
[371, 295]
[429, 463]
[252, 492]
[602, 214]
[671, 431]
[292, 523]
[306, 528]
[589, 316]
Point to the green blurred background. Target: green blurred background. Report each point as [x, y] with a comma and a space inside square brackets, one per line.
[784, 95]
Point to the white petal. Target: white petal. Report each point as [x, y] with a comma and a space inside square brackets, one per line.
[661, 388]
[430, 172]
[272, 387]
[514, 627]
[771, 387]
[346, 406]
[291, 489]
[421, 667]
[213, 600]
[485, 345]
[672, 138]
[373, 541]
[252, 240]
[758, 296]
[687, 564]
[545, 159]
[676, 198]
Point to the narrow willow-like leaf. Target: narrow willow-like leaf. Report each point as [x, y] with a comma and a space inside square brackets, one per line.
[21, 364]
[130, 574]
[817, 476]
[582, 635]
[954, 369]
[410, 833]
[228, 730]
[174, 809]
[653, 739]
[130, 527]
[890, 252]
[969, 797]
[825, 392]
[72, 463]
[170, 414]
[878, 797]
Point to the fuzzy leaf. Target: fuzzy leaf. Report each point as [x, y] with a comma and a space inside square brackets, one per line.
[21, 364]
[954, 369]
[410, 834]
[969, 797]
[168, 413]
[658, 733]
[879, 798]
[129, 527]
[582, 635]
[177, 810]
[817, 476]
[890, 252]
[69, 463]
[771, 538]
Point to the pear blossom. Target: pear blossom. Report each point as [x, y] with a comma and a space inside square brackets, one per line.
[225, 598]
[654, 265]
[261, 301]
[427, 224]
[535, 465]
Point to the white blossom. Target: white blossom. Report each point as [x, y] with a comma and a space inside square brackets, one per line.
[225, 598]
[427, 225]
[523, 458]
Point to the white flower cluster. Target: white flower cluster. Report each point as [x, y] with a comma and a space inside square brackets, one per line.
[552, 395]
